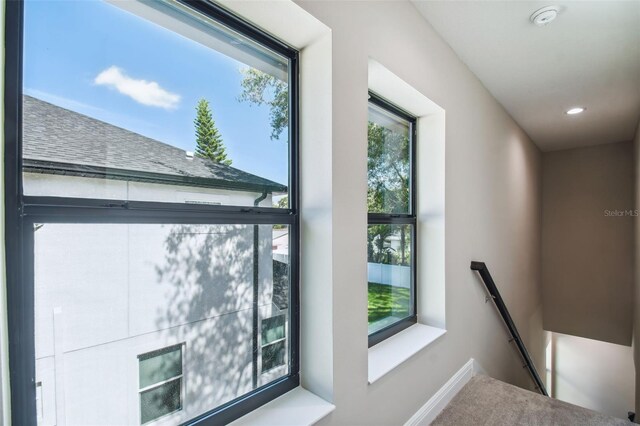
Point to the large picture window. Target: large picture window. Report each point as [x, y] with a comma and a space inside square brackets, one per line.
[391, 245]
[152, 213]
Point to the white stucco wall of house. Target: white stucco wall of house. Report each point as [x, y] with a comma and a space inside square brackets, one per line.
[106, 293]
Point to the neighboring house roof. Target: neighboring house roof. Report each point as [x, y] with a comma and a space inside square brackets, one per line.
[58, 141]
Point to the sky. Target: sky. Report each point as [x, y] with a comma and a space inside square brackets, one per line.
[96, 59]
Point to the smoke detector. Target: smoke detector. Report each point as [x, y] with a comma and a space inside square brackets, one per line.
[544, 16]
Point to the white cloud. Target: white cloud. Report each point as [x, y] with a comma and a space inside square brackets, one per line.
[142, 91]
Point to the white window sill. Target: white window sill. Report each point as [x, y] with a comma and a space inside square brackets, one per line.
[297, 407]
[387, 355]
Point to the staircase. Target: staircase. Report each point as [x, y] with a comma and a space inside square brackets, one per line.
[486, 401]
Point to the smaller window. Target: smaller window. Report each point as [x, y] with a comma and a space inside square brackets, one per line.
[391, 231]
[39, 408]
[273, 342]
[160, 383]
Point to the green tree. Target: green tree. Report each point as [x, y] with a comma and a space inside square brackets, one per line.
[388, 162]
[208, 139]
[388, 191]
[283, 203]
[260, 88]
[387, 170]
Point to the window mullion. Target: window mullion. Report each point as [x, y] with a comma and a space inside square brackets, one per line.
[157, 385]
[391, 220]
[73, 214]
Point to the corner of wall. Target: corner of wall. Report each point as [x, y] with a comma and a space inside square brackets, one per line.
[316, 213]
[636, 323]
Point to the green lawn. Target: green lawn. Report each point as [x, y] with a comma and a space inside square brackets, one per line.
[385, 300]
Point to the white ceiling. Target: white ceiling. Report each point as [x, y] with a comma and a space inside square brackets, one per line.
[589, 56]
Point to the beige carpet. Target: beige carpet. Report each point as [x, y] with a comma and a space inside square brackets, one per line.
[486, 401]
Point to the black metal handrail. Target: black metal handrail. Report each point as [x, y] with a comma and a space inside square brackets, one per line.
[504, 312]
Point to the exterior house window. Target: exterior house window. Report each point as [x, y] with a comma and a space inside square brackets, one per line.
[391, 245]
[273, 342]
[160, 381]
[152, 202]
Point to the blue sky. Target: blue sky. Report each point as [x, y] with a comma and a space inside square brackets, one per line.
[93, 58]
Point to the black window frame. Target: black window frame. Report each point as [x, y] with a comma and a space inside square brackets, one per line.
[408, 218]
[22, 212]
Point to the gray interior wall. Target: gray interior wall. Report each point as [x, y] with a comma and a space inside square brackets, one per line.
[608, 388]
[493, 196]
[587, 242]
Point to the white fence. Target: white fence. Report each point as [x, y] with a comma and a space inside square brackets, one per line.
[396, 275]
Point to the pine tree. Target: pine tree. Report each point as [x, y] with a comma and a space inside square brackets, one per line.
[208, 139]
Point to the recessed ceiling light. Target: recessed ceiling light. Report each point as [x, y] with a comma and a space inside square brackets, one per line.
[576, 110]
[542, 17]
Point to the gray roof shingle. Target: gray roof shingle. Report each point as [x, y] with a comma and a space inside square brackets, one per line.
[57, 140]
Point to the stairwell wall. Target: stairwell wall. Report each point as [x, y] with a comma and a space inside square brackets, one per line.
[587, 242]
[493, 214]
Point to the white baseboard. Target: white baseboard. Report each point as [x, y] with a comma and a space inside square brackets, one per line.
[429, 411]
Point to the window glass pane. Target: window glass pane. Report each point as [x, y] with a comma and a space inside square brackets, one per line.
[160, 401]
[273, 355]
[160, 367]
[388, 162]
[105, 294]
[389, 269]
[171, 107]
[273, 329]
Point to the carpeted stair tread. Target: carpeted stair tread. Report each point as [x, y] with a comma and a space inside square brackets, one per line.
[487, 401]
